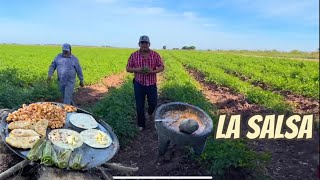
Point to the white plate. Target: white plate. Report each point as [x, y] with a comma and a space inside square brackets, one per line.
[82, 120]
[89, 137]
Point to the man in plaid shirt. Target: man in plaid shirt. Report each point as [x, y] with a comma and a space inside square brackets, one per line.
[145, 64]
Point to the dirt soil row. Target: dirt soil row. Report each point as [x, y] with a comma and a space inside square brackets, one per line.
[290, 159]
[300, 103]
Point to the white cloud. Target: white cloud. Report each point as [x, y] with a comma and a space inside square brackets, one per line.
[105, 1]
[120, 24]
[190, 15]
[145, 10]
[209, 25]
[299, 11]
[304, 12]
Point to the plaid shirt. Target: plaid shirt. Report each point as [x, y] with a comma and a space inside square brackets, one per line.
[152, 62]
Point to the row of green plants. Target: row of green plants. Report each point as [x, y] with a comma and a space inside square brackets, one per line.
[273, 53]
[217, 75]
[219, 157]
[117, 108]
[34, 61]
[24, 69]
[15, 90]
[299, 77]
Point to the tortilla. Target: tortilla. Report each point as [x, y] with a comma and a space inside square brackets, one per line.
[91, 136]
[82, 120]
[26, 142]
[65, 138]
[21, 125]
[22, 138]
[41, 127]
[23, 133]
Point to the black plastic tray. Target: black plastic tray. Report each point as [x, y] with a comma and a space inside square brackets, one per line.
[94, 156]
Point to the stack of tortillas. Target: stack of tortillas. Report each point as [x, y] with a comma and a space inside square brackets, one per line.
[82, 120]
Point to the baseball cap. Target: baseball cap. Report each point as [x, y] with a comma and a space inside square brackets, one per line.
[66, 47]
[144, 38]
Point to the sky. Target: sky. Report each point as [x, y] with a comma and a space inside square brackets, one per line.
[284, 25]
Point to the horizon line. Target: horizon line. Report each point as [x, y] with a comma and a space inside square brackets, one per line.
[108, 46]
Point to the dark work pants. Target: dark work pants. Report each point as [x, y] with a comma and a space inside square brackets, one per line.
[140, 92]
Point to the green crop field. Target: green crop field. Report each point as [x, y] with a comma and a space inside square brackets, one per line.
[24, 70]
[296, 54]
[300, 77]
[23, 73]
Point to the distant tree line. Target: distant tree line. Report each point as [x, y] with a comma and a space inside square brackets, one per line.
[188, 47]
[183, 48]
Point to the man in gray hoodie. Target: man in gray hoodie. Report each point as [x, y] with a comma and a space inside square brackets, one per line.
[67, 66]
